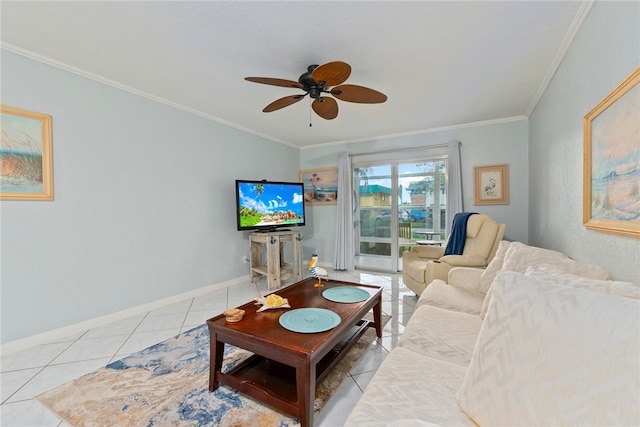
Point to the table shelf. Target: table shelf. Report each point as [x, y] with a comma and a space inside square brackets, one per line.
[275, 383]
[276, 269]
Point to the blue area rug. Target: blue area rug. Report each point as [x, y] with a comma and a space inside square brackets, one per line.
[167, 384]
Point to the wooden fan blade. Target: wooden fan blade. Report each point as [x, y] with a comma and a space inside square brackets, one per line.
[274, 82]
[282, 102]
[359, 94]
[332, 73]
[325, 107]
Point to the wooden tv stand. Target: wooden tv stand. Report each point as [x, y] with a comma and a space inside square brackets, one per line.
[276, 269]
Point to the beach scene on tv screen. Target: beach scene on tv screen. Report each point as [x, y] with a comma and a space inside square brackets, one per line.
[269, 204]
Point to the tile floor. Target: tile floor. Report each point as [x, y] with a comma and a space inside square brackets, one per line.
[30, 372]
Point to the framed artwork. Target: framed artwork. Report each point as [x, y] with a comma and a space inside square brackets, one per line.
[320, 186]
[25, 155]
[611, 170]
[491, 185]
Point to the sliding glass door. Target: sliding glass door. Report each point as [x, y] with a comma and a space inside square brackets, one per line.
[424, 186]
[397, 204]
[376, 215]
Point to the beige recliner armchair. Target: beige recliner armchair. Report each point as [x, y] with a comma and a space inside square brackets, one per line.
[423, 264]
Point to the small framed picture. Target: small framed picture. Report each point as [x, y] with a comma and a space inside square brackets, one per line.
[491, 185]
[320, 186]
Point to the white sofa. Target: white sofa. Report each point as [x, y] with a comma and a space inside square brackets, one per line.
[535, 339]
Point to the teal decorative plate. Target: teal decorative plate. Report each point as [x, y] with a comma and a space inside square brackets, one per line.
[309, 320]
[346, 294]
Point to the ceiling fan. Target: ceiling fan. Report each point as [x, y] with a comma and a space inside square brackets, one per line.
[319, 80]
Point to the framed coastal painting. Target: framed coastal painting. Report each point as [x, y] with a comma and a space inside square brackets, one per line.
[320, 186]
[25, 155]
[491, 185]
[611, 170]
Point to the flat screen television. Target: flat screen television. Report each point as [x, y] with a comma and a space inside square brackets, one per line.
[269, 205]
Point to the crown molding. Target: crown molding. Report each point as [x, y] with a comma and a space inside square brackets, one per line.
[66, 67]
[420, 132]
[581, 14]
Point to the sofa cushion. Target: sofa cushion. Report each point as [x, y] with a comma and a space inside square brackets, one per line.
[465, 277]
[440, 294]
[552, 273]
[571, 270]
[553, 354]
[442, 334]
[557, 274]
[475, 223]
[519, 257]
[480, 242]
[464, 260]
[429, 251]
[409, 385]
[494, 266]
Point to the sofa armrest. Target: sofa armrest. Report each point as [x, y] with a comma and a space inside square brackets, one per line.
[464, 260]
[465, 278]
[429, 252]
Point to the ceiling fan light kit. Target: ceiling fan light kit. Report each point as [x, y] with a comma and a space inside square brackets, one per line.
[319, 80]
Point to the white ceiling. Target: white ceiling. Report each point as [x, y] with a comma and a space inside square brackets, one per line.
[441, 64]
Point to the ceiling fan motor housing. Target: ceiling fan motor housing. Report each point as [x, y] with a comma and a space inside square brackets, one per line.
[314, 88]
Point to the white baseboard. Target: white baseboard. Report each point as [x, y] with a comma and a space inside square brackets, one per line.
[65, 331]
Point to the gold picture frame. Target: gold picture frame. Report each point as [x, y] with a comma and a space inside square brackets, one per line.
[491, 184]
[320, 186]
[611, 169]
[26, 171]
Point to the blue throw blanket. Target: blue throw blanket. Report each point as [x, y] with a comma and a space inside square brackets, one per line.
[455, 245]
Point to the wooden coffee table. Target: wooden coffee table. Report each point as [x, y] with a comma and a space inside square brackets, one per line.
[286, 365]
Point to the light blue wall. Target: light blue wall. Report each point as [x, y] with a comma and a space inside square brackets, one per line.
[482, 145]
[604, 52]
[144, 202]
[144, 192]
